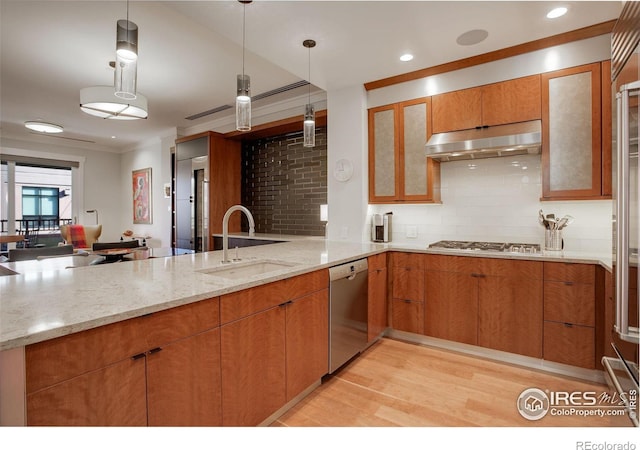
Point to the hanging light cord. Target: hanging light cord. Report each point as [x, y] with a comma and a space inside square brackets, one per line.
[309, 80]
[244, 14]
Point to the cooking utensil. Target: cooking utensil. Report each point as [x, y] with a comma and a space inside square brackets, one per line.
[542, 220]
[566, 220]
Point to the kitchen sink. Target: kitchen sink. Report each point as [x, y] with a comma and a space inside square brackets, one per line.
[247, 269]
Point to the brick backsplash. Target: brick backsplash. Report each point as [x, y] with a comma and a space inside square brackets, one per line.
[284, 183]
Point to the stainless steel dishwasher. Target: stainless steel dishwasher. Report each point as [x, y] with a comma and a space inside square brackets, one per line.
[348, 293]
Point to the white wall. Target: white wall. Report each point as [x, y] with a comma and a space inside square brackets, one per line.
[498, 201]
[157, 156]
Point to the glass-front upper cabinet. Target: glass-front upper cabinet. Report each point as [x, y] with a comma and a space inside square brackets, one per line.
[399, 171]
[574, 133]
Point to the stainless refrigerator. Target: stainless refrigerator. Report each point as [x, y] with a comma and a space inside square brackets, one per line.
[621, 370]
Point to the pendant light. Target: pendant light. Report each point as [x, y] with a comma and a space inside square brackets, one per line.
[243, 94]
[126, 72]
[309, 126]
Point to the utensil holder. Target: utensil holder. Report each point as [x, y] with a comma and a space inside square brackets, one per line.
[553, 240]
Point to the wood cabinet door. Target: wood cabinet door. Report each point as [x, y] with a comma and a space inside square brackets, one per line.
[451, 306]
[571, 133]
[183, 380]
[253, 367]
[407, 315]
[408, 283]
[457, 110]
[512, 101]
[111, 396]
[510, 314]
[377, 309]
[569, 344]
[307, 341]
[384, 154]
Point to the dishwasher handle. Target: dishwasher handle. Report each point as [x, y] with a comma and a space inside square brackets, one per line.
[348, 270]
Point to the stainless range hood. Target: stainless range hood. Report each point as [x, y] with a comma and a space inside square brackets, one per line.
[523, 138]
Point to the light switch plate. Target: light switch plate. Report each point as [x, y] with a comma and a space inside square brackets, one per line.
[412, 231]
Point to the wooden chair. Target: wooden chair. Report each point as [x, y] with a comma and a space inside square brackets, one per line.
[25, 254]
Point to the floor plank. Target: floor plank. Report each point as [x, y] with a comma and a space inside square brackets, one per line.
[399, 384]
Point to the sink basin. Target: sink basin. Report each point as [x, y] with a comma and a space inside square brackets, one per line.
[247, 269]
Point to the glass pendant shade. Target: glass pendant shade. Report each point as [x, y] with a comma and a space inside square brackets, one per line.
[127, 40]
[125, 78]
[243, 104]
[100, 101]
[309, 128]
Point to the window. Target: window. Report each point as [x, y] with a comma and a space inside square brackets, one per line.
[40, 202]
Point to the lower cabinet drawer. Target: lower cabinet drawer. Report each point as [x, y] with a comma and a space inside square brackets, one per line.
[407, 315]
[569, 344]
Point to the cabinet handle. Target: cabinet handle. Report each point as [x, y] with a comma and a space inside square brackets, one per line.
[406, 300]
[478, 275]
[568, 283]
[155, 350]
[285, 303]
[138, 356]
[568, 325]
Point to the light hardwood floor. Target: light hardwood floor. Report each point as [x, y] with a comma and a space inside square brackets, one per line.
[396, 384]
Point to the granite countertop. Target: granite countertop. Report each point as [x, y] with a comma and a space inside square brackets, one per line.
[50, 300]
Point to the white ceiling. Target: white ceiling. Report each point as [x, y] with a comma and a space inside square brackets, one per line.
[191, 51]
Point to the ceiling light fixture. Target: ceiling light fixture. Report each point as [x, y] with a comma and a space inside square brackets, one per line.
[557, 12]
[126, 66]
[43, 127]
[472, 37]
[406, 57]
[100, 101]
[309, 127]
[243, 94]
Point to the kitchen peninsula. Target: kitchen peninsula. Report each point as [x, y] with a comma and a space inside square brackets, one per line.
[39, 307]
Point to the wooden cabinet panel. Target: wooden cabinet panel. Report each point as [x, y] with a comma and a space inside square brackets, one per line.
[572, 303]
[576, 273]
[511, 101]
[405, 259]
[510, 315]
[377, 304]
[253, 367]
[569, 344]
[250, 301]
[376, 262]
[307, 341]
[451, 306]
[176, 323]
[407, 315]
[111, 396]
[183, 380]
[571, 133]
[59, 359]
[457, 110]
[306, 284]
[398, 168]
[508, 267]
[408, 283]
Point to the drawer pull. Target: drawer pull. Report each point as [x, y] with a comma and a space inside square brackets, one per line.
[155, 350]
[568, 325]
[406, 300]
[568, 283]
[478, 275]
[138, 356]
[285, 303]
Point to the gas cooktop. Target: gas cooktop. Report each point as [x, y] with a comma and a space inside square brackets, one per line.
[487, 246]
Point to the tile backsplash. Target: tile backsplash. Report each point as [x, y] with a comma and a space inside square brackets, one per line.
[284, 183]
[498, 200]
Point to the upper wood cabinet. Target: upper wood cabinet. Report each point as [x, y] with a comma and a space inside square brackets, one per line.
[576, 141]
[511, 101]
[399, 171]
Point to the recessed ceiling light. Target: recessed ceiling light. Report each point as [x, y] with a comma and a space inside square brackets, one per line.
[472, 37]
[406, 57]
[557, 12]
[43, 127]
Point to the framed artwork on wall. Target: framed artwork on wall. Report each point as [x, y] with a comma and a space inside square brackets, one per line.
[142, 196]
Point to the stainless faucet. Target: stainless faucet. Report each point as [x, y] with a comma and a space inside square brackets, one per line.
[225, 229]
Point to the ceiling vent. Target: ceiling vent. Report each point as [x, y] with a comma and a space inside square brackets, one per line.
[255, 98]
